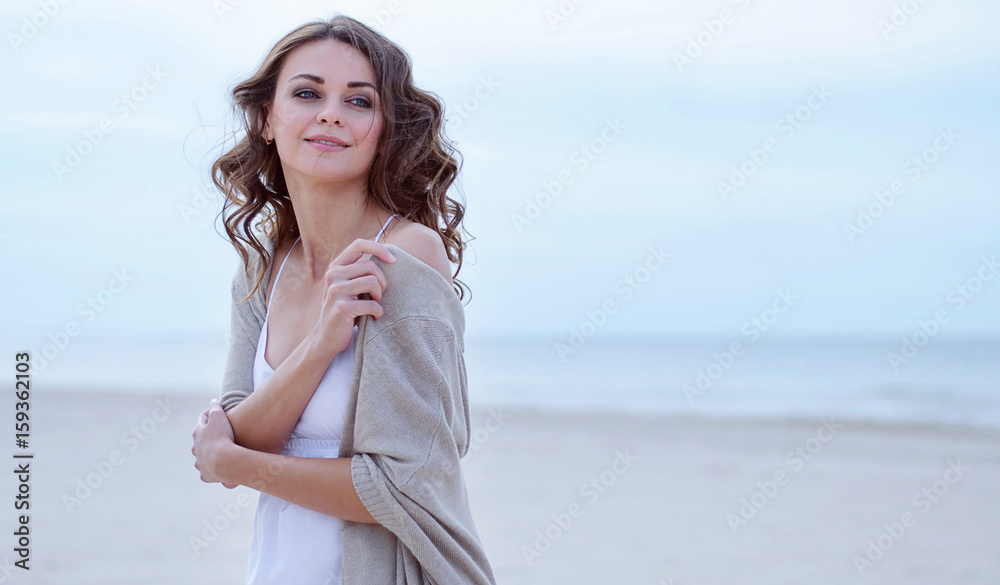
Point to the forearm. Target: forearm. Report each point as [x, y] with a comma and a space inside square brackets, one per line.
[264, 420]
[323, 485]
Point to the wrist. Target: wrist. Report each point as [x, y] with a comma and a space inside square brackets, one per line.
[227, 466]
[316, 348]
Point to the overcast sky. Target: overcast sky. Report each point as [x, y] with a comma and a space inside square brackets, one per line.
[634, 113]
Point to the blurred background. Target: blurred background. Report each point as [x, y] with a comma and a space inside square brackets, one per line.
[737, 209]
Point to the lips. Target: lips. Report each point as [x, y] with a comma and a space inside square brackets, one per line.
[327, 140]
[328, 143]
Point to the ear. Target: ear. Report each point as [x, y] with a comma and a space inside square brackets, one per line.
[265, 127]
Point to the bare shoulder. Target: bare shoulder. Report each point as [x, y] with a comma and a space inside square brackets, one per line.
[423, 243]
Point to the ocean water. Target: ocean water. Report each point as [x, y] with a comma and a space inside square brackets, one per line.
[945, 383]
[952, 383]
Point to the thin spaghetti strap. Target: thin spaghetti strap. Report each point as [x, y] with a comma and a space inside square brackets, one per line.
[280, 268]
[385, 226]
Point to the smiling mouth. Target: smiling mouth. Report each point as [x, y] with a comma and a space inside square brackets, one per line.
[327, 142]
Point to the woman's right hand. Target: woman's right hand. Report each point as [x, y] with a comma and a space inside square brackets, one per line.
[348, 277]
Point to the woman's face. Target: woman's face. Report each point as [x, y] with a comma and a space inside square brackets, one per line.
[325, 88]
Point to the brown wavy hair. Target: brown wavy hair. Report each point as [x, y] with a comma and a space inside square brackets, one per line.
[414, 166]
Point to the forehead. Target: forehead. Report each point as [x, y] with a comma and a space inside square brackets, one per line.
[336, 62]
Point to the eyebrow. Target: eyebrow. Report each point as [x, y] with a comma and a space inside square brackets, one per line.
[321, 81]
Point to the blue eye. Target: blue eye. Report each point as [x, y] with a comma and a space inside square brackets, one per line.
[365, 103]
[299, 94]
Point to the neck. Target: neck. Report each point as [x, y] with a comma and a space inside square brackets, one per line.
[330, 217]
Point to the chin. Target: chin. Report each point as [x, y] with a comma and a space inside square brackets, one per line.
[328, 173]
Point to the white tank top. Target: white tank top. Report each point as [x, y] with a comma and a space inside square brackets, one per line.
[292, 544]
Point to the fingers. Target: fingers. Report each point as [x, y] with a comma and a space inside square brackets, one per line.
[214, 409]
[368, 283]
[359, 247]
[354, 280]
[356, 271]
[203, 415]
[371, 308]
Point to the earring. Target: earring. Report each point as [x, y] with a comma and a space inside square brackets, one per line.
[269, 141]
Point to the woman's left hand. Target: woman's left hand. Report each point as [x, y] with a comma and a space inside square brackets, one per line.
[213, 436]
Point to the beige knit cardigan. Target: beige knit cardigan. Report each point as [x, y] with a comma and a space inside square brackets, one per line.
[406, 428]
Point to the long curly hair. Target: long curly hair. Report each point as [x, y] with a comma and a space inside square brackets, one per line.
[414, 166]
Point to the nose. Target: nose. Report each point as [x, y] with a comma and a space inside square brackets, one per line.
[331, 112]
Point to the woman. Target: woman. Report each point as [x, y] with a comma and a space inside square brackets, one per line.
[344, 400]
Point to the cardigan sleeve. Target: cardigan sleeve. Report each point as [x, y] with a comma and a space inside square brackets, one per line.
[406, 469]
[237, 381]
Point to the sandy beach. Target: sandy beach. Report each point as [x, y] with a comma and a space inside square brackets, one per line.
[558, 498]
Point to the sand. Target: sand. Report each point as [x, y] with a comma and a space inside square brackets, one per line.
[558, 499]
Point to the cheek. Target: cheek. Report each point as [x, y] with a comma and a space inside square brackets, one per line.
[293, 110]
[281, 116]
[371, 134]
